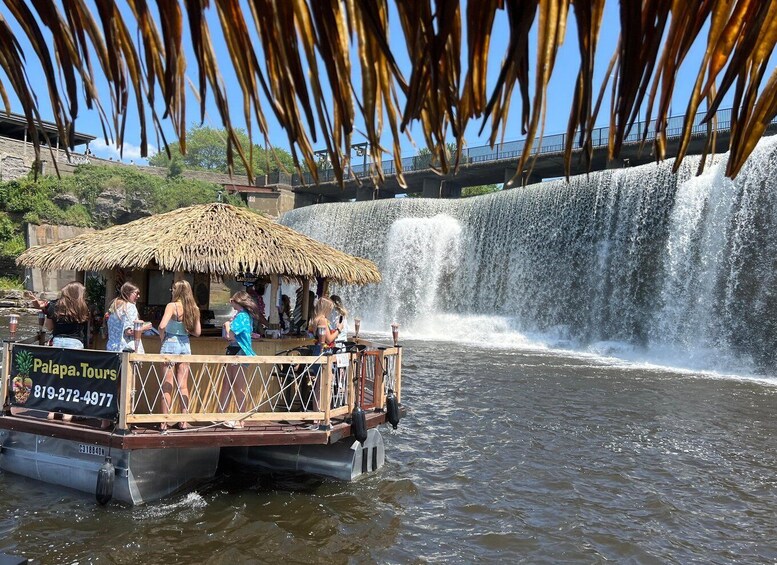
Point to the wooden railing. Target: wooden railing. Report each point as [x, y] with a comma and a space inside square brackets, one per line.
[169, 389]
[289, 388]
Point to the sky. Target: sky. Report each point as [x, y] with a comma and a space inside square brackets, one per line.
[560, 92]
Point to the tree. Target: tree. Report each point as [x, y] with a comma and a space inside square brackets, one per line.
[479, 190]
[206, 150]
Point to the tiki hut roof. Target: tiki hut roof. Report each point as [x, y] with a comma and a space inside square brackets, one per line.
[317, 65]
[207, 238]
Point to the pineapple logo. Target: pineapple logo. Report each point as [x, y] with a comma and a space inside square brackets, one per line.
[22, 383]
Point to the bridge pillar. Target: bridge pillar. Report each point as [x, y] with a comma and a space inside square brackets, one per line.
[450, 189]
[432, 188]
[381, 194]
[365, 193]
[520, 180]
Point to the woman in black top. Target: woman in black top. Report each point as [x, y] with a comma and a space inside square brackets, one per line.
[68, 317]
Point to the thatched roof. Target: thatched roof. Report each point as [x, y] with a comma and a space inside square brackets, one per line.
[207, 238]
[294, 57]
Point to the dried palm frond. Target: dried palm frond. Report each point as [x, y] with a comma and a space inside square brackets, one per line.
[208, 238]
[295, 60]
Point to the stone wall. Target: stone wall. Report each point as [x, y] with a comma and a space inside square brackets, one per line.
[49, 281]
[18, 157]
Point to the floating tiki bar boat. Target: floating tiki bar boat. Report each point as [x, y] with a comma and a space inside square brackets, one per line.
[302, 412]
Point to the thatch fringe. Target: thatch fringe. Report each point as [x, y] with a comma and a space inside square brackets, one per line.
[297, 54]
[207, 238]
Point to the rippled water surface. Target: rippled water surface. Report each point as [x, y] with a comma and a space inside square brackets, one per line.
[505, 455]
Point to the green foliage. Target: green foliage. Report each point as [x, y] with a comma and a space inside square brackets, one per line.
[11, 283]
[479, 190]
[95, 292]
[424, 159]
[71, 200]
[175, 167]
[206, 150]
[7, 228]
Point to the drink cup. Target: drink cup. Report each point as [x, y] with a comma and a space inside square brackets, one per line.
[357, 322]
[395, 333]
[13, 322]
[137, 331]
[321, 334]
[41, 319]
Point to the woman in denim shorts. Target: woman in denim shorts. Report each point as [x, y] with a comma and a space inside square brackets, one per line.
[180, 320]
[67, 318]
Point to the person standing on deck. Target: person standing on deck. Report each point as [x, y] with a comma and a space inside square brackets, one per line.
[238, 331]
[180, 320]
[122, 315]
[67, 318]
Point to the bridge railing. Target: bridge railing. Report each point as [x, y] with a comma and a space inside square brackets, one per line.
[511, 150]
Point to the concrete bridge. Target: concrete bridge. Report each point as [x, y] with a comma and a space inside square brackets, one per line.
[485, 165]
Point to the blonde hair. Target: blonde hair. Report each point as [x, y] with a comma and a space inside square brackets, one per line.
[324, 307]
[338, 304]
[71, 305]
[182, 292]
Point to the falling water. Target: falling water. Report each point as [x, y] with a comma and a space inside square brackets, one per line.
[637, 263]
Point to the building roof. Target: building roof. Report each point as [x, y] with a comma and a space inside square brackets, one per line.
[14, 126]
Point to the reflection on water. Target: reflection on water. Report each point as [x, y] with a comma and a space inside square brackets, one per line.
[505, 456]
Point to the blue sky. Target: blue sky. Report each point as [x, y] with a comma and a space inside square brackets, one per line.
[559, 92]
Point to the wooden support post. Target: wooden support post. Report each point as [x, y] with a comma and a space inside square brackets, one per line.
[305, 303]
[4, 376]
[398, 375]
[273, 318]
[380, 394]
[325, 288]
[125, 390]
[326, 392]
[351, 389]
[110, 287]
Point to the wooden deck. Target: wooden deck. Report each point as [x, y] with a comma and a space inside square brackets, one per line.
[149, 437]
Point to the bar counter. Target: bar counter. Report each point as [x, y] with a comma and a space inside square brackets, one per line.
[214, 344]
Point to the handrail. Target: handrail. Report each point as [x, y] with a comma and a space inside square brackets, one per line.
[309, 389]
[511, 150]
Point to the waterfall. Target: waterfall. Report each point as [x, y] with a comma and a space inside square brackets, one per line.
[639, 262]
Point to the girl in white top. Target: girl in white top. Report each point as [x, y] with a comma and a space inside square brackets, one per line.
[123, 313]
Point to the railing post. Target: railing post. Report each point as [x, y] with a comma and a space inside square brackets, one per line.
[398, 375]
[326, 393]
[5, 374]
[353, 371]
[380, 394]
[125, 390]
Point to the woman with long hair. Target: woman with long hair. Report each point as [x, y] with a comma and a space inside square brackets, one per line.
[180, 320]
[320, 320]
[122, 315]
[339, 315]
[238, 332]
[67, 318]
[321, 315]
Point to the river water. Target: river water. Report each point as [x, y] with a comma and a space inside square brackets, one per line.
[589, 373]
[507, 455]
